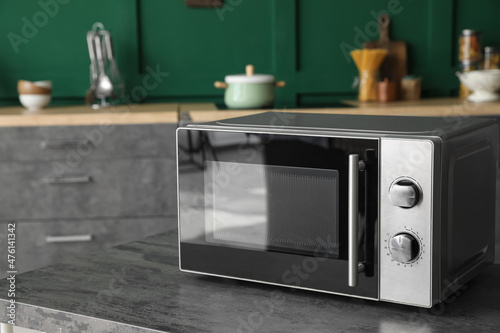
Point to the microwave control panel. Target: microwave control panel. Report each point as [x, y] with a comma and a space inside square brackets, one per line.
[406, 221]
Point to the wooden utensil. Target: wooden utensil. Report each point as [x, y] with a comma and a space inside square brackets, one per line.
[395, 65]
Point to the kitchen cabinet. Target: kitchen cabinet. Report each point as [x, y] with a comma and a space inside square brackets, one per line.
[41, 243]
[74, 189]
[305, 43]
[73, 144]
[105, 188]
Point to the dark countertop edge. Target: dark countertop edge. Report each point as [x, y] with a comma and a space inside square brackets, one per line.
[94, 324]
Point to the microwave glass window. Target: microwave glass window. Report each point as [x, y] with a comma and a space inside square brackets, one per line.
[272, 208]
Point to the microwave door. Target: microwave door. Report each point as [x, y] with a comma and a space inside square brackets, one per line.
[275, 209]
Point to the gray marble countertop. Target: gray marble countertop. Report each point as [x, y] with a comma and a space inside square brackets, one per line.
[137, 287]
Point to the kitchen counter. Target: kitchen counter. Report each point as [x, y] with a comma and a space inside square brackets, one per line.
[203, 112]
[434, 107]
[137, 287]
[85, 115]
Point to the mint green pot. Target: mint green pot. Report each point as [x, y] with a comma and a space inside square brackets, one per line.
[249, 91]
[249, 95]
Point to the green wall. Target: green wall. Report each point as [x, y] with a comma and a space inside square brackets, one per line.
[297, 40]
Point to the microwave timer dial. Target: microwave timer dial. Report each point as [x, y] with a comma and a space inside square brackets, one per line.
[405, 192]
[404, 248]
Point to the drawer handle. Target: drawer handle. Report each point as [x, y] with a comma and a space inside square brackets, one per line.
[68, 180]
[55, 144]
[68, 239]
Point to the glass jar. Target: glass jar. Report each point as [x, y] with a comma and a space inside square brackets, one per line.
[491, 57]
[469, 45]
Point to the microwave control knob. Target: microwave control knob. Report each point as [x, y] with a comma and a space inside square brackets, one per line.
[404, 193]
[404, 248]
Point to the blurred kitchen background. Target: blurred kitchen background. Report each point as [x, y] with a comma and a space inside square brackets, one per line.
[305, 43]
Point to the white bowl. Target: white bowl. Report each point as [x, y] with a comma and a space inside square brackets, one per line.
[484, 84]
[34, 102]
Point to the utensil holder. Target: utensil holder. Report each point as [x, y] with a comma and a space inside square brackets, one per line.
[107, 87]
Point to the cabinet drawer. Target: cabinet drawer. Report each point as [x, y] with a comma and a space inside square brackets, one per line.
[77, 143]
[39, 244]
[106, 188]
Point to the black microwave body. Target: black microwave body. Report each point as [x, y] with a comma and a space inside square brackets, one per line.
[351, 205]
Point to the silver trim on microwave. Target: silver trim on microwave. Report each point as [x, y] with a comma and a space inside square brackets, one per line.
[406, 282]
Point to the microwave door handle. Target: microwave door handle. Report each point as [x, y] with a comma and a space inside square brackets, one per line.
[354, 267]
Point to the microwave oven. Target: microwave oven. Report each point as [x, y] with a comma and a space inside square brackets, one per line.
[389, 208]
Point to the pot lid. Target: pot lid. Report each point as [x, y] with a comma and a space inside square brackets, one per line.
[249, 77]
